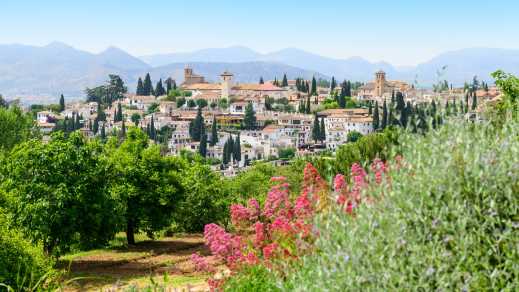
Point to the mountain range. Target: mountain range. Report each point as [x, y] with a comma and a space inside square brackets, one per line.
[42, 73]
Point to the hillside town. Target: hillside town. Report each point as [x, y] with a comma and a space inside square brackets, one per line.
[233, 124]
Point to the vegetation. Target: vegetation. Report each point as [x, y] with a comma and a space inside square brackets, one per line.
[15, 127]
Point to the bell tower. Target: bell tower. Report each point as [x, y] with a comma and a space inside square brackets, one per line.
[380, 82]
[226, 83]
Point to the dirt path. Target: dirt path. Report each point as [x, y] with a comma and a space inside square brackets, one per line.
[165, 262]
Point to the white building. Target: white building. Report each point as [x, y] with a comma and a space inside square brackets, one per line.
[340, 122]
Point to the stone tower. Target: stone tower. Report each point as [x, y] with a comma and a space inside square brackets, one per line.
[380, 82]
[188, 72]
[226, 84]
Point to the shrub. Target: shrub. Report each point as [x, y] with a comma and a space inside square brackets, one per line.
[447, 220]
[22, 265]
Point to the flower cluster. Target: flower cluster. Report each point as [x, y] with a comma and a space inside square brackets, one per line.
[282, 230]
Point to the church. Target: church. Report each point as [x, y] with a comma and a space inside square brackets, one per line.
[381, 88]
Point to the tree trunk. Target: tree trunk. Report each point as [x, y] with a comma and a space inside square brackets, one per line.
[130, 230]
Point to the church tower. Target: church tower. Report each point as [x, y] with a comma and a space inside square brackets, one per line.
[226, 84]
[380, 82]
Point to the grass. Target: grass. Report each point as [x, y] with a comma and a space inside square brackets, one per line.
[164, 262]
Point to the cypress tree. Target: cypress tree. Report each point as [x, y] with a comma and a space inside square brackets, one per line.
[123, 130]
[153, 131]
[333, 84]
[237, 149]
[147, 86]
[454, 108]
[400, 103]
[77, 123]
[391, 118]
[447, 109]
[384, 115]
[474, 101]
[103, 132]
[316, 135]
[198, 127]
[376, 121]
[392, 97]
[370, 109]
[61, 103]
[140, 87]
[322, 131]
[214, 133]
[285, 81]
[169, 85]
[308, 108]
[95, 127]
[342, 101]
[249, 121]
[119, 112]
[115, 115]
[230, 148]
[159, 89]
[313, 91]
[261, 80]
[203, 146]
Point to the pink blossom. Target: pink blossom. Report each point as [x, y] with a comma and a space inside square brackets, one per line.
[278, 179]
[254, 209]
[239, 214]
[269, 250]
[259, 228]
[277, 201]
[200, 263]
[303, 207]
[339, 183]
[282, 225]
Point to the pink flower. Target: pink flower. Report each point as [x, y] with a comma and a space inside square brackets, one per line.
[239, 214]
[268, 251]
[277, 201]
[259, 228]
[254, 209]
[303, 207]
[282, 225]
[200, 263]
[252, 259]
[339, 183]
[278, 179]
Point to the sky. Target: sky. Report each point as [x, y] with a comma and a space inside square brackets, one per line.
[401, 32]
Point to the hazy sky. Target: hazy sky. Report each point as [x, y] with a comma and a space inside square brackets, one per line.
[402, 32]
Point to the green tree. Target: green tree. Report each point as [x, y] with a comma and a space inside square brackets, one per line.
[169, 85]
[103, 132]
[385, 121]
[147, 85]
[203, 145]
[146, 184]
[249, 121]
[284, 83]
[322, 131]
[353, 136]
[201, 103]
[214, 132]
[181, 101]
[316, 129]
[140, 87]
[198, 126]
[308, 106]
[333, 84]
[261, 81]
[191, 103]
[95, 127]
[159, 89]
[61, 103]
[15, 127]
[58, 193]
[313, 91]
[119, 112]
[376, 117]
[237, 149]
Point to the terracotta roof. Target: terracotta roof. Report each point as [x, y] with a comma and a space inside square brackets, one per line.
[258, 87]
[203, 86]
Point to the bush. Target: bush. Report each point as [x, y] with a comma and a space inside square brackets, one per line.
[21, 263]
[254, 278]
[447, 220]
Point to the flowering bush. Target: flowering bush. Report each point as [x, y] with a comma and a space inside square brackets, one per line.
[282, 231]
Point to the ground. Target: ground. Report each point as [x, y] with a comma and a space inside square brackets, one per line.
[141, 266]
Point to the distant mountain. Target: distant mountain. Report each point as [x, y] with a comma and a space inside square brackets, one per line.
[58, 68]
[46, 72]
[461, 65]
[245, 72]
[234, 54]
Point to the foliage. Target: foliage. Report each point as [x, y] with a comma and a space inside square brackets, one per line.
[354, 136]
[21, 263]
[15, 127]
[287, 153]
[147, 185]
[113, 90]
[447, 220]
[249, 121]
[252, 278]
[57, 193]
[206, 199]
[153, 108]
